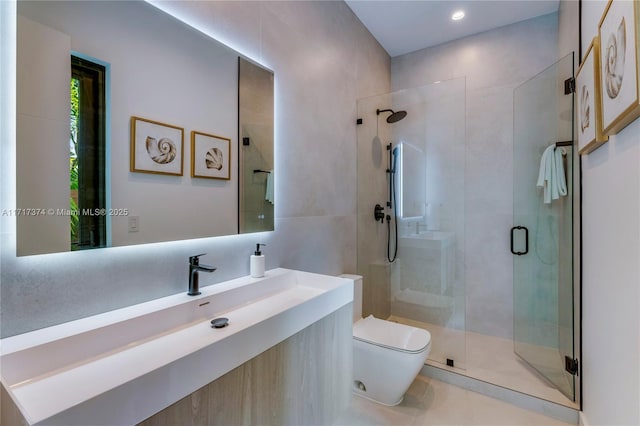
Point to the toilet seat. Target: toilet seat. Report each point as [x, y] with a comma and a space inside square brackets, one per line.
[391, 335]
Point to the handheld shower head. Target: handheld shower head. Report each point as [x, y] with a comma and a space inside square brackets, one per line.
[394, 117]
[396, 154]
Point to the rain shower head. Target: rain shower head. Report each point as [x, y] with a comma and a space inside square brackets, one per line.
[394, 117]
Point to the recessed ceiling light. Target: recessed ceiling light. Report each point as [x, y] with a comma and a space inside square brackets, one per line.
[457, 15]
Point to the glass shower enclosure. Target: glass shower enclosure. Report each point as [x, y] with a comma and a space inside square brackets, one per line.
[414, 244]
[412, 172]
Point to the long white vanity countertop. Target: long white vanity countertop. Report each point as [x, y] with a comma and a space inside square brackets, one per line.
[123, 366]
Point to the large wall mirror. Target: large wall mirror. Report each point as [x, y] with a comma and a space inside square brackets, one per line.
[130, 130]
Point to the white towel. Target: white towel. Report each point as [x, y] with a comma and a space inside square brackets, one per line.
[551, 175]
[269, 192]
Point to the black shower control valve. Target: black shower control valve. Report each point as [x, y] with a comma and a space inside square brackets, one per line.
[378, 213]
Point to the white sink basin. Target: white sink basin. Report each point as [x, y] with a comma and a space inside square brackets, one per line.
[430, 235]
[426, 239]
[122, 366]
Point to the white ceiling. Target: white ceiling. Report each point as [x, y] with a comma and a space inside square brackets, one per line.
[406, 26]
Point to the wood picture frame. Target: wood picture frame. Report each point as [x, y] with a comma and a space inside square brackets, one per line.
[619, 65]
[156, 147]
[588, 102]
[210, 156]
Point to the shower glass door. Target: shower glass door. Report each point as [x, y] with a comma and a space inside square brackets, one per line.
[542, 237]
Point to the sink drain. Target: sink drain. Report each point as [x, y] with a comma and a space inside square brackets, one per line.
[219, 322]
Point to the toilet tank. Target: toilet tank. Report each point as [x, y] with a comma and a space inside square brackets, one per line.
[357, 295]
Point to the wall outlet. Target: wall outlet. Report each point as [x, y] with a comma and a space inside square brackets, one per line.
[134, 223]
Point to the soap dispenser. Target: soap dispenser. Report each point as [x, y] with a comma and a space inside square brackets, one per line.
[256, 266]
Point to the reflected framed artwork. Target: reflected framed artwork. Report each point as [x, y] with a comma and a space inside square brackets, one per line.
[619, 77]
[156, 147]
[210, 156]
[588, 92]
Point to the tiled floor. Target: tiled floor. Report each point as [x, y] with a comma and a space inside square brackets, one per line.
[487, 358]
[431, 402]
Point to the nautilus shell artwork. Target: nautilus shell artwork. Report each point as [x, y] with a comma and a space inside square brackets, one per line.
[585, 108]
[614, 60]
[214, 159]
[161, 151]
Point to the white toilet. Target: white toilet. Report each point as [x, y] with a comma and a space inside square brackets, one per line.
[387, 356]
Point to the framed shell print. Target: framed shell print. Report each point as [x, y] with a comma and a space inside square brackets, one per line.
[618, 34]
[589, 114]
[156, 147]
[210, 156]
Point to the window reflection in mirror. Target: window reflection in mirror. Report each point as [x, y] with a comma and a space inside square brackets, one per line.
[87, 155]
[255, 124]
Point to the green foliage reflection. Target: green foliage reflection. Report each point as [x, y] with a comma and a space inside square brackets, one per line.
[73, 160]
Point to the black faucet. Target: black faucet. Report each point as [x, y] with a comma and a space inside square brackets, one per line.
[194, 268]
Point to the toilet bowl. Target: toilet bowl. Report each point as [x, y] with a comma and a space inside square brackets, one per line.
[387, 356]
